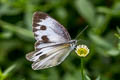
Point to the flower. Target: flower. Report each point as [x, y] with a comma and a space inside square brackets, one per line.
[82, 50]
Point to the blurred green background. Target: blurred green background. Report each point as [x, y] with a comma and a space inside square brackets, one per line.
[102, 37]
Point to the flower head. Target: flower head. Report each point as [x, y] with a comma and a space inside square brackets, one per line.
[82, 50]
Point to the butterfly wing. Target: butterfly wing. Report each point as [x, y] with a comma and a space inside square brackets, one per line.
[46, 29]
[49, 56]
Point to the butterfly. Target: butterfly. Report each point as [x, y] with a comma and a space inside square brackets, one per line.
[53, 42]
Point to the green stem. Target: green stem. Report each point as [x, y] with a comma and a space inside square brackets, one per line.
[16, 29]
[82, 72]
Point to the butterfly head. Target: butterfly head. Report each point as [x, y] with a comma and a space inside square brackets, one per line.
[73, 43]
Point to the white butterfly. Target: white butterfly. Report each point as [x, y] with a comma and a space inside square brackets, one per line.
[53, 42]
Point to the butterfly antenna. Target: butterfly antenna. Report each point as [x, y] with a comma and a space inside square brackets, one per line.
[81, 41]
[81, 32]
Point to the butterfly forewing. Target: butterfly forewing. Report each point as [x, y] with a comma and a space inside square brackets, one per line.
[46, 29]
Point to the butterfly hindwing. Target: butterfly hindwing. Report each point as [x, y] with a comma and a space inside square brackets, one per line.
[48, 56]
[51, 58]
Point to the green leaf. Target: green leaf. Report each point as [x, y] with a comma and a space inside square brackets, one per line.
[99, 41]
[6, 9]
[98, 78]
[28, 16]
[16, 29]
[1, 74]
[87, 77]
[116, 9]
[7, 71]
[118, 35]
[118, 29]
[104, 10]
[99, 26]
[85, 8]
[5, 35]
[113, 52]
[119, 46]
